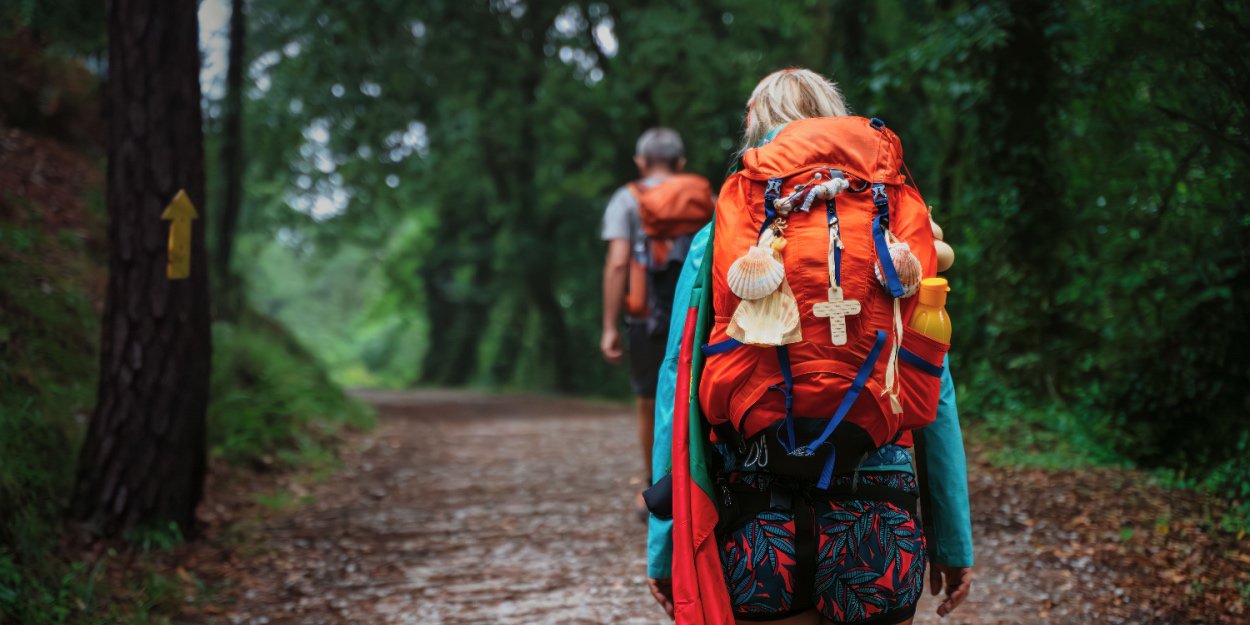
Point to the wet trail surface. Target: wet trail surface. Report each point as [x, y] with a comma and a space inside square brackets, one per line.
[463, 508]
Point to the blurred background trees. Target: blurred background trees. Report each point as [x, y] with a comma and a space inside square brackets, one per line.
[422, 184]
[409, 193]
[425, 182]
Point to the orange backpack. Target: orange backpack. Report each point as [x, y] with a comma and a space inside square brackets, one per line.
[671, 211]
[812, 408]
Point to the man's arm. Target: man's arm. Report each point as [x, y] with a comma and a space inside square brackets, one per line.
[615, 273]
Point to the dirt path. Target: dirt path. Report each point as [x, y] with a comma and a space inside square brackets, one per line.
[490, 509]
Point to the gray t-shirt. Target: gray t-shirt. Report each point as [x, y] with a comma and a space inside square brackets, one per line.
[621, 219]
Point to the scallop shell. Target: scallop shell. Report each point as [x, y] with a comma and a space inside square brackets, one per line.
[945, 255]
[772, 320]
[756, 274]
[906, 265]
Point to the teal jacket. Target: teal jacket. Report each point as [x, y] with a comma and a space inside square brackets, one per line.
[948, 473]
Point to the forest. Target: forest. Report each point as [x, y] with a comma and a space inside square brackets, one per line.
[409, 196]
[1093, 195]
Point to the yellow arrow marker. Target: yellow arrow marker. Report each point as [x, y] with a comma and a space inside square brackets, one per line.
[180, 211]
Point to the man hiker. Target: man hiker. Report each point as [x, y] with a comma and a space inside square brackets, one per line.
[648, 225]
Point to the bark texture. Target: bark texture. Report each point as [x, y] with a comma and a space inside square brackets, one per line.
[143, 461]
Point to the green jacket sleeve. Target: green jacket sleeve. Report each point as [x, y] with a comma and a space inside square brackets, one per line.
[948, 480]
[660, 531]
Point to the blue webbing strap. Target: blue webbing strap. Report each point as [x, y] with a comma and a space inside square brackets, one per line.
[880, 224]
[787, 388]
[771, 193]
[848, 400]
[920, 363]
[720, 347]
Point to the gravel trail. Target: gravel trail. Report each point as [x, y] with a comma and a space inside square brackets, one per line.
[466, 508]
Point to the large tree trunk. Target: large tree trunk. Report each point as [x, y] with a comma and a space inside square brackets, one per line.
[143, 461]
[231, 155]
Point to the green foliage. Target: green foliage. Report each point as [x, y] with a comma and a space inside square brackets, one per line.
[1096, 200]
[76, 27]
[271, 401]
[88, 593]
[158, 538]
[48, 365]
[47, 378]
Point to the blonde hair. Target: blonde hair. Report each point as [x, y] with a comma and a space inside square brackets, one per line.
[787, 95]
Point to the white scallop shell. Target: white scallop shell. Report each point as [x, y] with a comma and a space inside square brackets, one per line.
[772, 320]
[945, 255]
[906, 265]
[756, 274]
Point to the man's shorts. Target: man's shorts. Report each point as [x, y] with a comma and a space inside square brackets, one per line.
[646, 353]
[869, 556]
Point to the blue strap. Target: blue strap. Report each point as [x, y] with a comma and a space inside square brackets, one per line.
[877, 123]
[920, 363]
[881, 201]
[787, 389]
[720, 347]
[771, 193]
[880, 224]
[848, 400]
[861, 378]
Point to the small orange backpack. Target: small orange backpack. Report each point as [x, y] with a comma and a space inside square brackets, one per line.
[811, 407]
[671, 211]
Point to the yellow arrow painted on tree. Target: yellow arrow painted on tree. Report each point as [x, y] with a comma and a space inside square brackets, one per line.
[180, 211]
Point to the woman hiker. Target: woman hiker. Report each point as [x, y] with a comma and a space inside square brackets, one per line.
[792, 399]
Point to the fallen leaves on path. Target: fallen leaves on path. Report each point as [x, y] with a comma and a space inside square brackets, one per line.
[469, 509]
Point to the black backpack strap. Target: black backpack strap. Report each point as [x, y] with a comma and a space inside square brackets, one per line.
[926, 495]
[806, 548]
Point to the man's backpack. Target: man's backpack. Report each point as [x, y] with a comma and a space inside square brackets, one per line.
[671, 212]
[805, 405]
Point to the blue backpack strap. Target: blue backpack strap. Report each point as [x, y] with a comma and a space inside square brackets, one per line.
[916, 361]
[880, 224]
[848, 400]
[720, 347]
[771, 193]
[787, 389]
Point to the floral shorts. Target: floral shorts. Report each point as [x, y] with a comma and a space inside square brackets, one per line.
[869, 554]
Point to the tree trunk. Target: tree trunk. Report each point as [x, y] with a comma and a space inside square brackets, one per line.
[231, 164]
[143, 460]
[1022, 106]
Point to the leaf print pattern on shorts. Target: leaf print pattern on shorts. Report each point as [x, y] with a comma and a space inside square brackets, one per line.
[758, 560]
[870, 556]
[871, 560]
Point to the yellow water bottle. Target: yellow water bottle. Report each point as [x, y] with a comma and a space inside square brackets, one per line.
[930, 318]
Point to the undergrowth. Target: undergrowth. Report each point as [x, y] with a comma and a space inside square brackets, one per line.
[273, 407]
[1075, 434]
[273, 403]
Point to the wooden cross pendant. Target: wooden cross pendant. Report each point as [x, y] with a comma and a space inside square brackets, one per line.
[837, 310]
